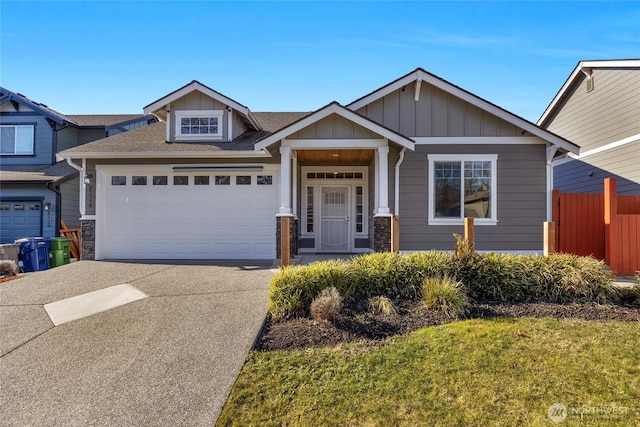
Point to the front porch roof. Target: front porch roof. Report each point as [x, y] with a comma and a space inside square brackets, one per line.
[335, 108]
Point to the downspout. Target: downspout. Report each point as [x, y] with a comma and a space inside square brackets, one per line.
[83, 200]
[396, 209]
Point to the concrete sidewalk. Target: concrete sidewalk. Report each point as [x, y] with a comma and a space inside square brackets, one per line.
[170, 358]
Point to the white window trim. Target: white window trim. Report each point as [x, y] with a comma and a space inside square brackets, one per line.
[179, 114]
[33, 141]
[493, 158]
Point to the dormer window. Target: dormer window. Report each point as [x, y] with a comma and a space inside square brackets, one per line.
[198, 125]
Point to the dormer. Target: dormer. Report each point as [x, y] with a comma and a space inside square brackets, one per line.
[197, 113]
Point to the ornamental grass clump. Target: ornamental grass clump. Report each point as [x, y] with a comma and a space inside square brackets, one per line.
[445, 294]
[8, 267]
[382, 305]
[327, 305]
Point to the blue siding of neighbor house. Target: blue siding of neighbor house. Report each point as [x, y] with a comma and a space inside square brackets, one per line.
[43, 139]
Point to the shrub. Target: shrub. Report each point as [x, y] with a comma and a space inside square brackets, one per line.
[327, 306]
[382, 305]
[445, 294]
[8, 267]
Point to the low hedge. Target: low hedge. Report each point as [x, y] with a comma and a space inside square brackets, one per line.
[485, 276]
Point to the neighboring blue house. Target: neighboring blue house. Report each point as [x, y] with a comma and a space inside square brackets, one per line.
[35, 191]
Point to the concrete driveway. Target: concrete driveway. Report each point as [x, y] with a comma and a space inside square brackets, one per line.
[169, 358]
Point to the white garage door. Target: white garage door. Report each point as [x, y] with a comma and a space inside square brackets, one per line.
[172, 215]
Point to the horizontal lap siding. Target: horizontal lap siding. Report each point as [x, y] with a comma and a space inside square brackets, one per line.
[43, 140]
[608, 113]
[521, 199]
[587, 175]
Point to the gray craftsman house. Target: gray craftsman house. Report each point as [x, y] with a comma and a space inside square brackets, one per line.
[213, 179]
[598, 108]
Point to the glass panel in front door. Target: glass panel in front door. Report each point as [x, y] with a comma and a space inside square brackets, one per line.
[334, 219]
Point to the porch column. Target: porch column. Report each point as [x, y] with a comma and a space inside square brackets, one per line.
[285, 181]
[383, 181]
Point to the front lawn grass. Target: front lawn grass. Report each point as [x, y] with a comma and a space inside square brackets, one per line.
[474, 372]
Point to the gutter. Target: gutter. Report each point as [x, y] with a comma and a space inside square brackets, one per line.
[396, 209]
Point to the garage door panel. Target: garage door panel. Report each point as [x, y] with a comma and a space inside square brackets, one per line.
[188, 222]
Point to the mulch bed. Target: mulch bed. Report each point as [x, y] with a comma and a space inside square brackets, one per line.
[357, 324]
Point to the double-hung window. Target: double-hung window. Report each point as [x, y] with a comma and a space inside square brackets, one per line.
[462, 186]
[198, 124]
[16, 139]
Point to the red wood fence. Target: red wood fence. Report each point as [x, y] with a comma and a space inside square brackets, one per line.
[605, 226]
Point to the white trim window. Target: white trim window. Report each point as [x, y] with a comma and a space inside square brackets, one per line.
[16, 139]
[462, 186]
[198, 124]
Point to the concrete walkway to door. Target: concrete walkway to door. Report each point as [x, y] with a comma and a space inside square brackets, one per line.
[165, 352]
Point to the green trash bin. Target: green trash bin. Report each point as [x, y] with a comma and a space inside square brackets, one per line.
[59, 254]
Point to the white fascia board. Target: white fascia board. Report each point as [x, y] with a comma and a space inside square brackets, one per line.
[479, 140]
[343, 112]
[169, 154]
[383, 91]
[159, 104]
[334, 144]
[628, 63]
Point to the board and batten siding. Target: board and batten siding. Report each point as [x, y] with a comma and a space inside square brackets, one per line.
[436, 114]
[334, 126]
[521, 198]
[608, 113]
[198, 101]
[43, 139]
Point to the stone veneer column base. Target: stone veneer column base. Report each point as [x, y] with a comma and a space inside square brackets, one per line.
[382, 233]
[88, 230]
[293, 236]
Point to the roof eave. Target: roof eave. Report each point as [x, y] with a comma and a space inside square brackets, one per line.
[164, 155]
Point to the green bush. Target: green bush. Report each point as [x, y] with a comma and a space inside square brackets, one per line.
[485, 276]
[445, 294]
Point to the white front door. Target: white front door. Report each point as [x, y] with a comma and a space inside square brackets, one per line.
[334, 219]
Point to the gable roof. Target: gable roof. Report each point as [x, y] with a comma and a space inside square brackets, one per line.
[420, 75]
[335, 108]
[584, 67]
[195, 85]
[9, 96]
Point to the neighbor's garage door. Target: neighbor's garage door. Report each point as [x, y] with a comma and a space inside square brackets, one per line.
[151, 215]
[20, 219]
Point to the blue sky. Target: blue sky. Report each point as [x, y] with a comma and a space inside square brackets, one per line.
[117, 57]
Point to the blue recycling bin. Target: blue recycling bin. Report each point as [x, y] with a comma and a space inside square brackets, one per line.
[34, 252]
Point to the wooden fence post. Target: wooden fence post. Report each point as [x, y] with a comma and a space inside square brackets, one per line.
[611, 238]
[549, 238]
[395, 234]
[470, 233]
[285, 241]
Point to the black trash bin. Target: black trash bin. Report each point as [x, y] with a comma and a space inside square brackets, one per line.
[34, 252]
